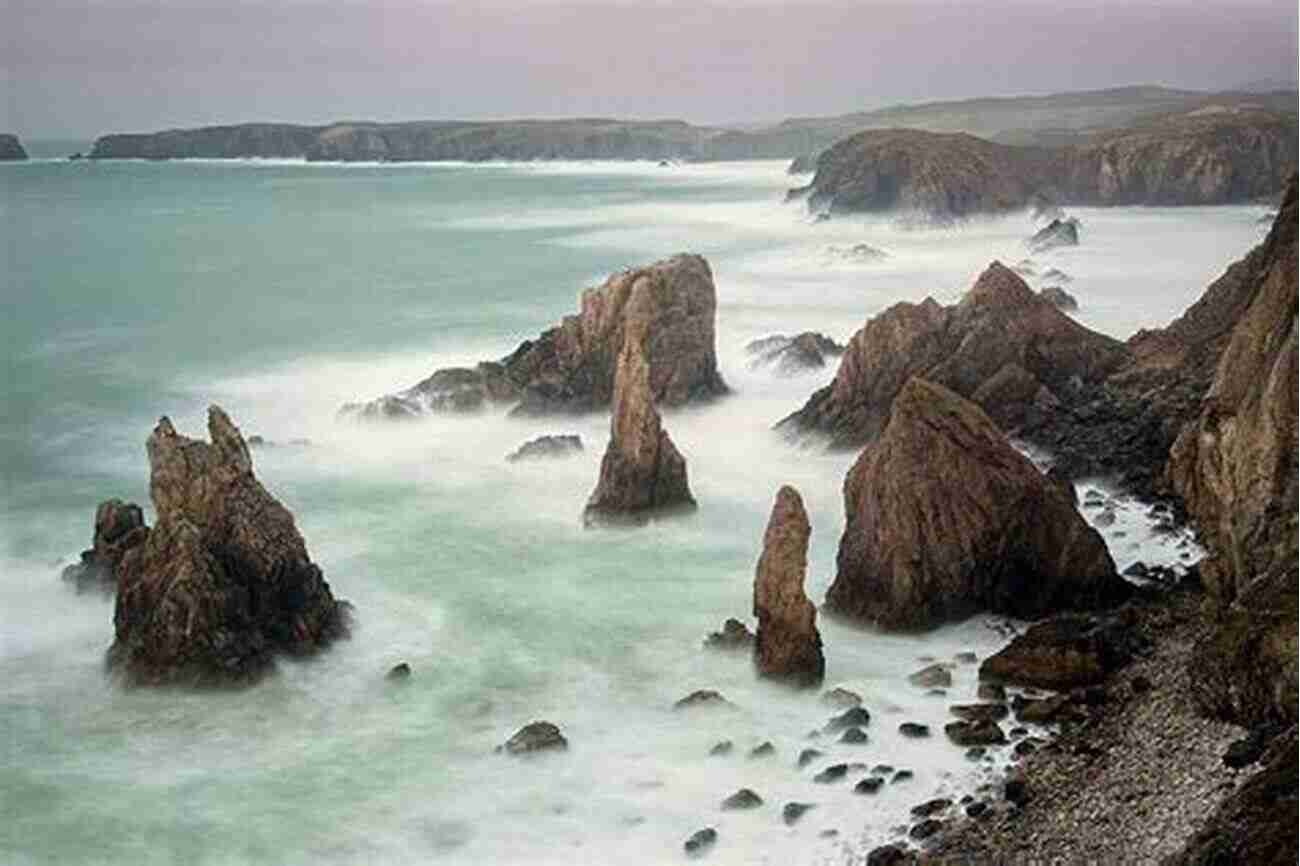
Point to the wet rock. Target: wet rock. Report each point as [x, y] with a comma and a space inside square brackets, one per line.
[901, 776]
[966, 658]
[788, 646]
[996, 534]
[721, 748]
[914, 730]
[1026, 747]
[1056, 276]
[869, 785]
[853, 717]
[792, 812]
[991, 692]
[119, 526]
[742, 799]
[887, 855]
[982, 733]
[807, 756]
[1059, 298]
[399, 671]
[833, 773]
[642, 473]
[1067, 651]
[1040, 711]
[932, 676]
[536, 737]
[931, 807]
[841, 698]
[223, 582]
[1247, 750]
[975, 810]
[1057, 233]
[702, 698]
[854, 736]
[735, 635]
[980, 712]
[1016, 791]
[547, 448]
[790, 356]
[762, 750]
[701, 840]
[882, 769]
[925, 829]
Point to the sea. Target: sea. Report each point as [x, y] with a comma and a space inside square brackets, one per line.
[280, 290]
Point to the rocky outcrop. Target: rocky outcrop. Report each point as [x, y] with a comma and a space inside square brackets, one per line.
[1002, 346]
[1235, 468]
[642, 474]
[570, 368]
[788, 647]
[1057, 233]
[119, 526]
[790, 356]
[11, 149]
[223, 583]
[945, 518]
[1066, 652]
[547, 448]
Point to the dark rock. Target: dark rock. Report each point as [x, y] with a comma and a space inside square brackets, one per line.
[1016, 791]
[976, 753]
[762, 750]
[857, 253]
[993, 533]
[790, 356]
[742, 799]
[980, 712]
[119, 526]
[1026, 747]
[11, 149]
[1140, 685]
[854, 736]
[913, 730]
[1040, 711]
[735, 635]
[841, 697]
[536, 737]
[1247, 750]
[1056, 275]
[1065, 652]
[1059, 298]
[981, 733]
[642, 473]
[901, 776]
[991, 692]
[792, 812]
[887, 855]
[853, 717]
[702, 698]
[931, 807]
[701, 840]
[1057, 233]
[925, 829]
[931, 676]
[882, 769]
[788, 646]
[807, 756]
[399, 671]
[547, 448]
[833, 773]
[223, 582]
[721, 748]
[966, 658]
[869, 785]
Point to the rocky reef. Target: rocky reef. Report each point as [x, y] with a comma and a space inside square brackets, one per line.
[788, 645]
[223, 583]
[1004, 347]
[944, 518]
[571, 368]
[642, 473]
[11, 149]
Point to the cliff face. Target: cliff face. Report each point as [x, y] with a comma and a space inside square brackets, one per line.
[11, 149]
[1235, 467]
[259, 140]
[1213, 155]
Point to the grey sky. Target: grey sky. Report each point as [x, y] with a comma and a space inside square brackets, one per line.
[78, 68]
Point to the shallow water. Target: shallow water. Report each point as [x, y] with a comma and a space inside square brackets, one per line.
[281, 290]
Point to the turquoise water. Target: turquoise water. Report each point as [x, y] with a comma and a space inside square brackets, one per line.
[281, 290]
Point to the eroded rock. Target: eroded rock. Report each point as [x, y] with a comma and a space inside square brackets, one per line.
[788, 646]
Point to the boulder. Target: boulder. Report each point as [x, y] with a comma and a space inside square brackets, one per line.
[841, 698]
[1057, 233]
[945, 518]
[223, 583]
[931, 676]
[536, 737]
[790, 356]
[742, 799]
[1003, 346]
[981, 733]
[1066, 652]
[792, 812]
[788, 646]
[547, 448]
[700, 841]
[119, 526]
[671, 305]
[642, 474]
[1235, 467]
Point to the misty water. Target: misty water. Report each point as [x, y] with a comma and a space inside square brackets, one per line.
[282, 290]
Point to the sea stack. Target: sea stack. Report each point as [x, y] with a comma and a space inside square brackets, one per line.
[11, 149]
[945, 518]
[223, 583]
[642, 473]
[788, 646]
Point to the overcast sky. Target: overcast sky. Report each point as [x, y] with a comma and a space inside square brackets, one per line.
[79, 68]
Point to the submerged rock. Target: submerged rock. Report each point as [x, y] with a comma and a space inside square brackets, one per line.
[841, 698]
[702, 698]
[793, 355]
[642, 473]
[981, 733]
[735, 635]
[792, 812]
[119, 526]
[788, 646]
[536, 737]
[223, 582]
[399, 671]
[1057, 233]
[671, 304]
[547, 448]
[945, 518]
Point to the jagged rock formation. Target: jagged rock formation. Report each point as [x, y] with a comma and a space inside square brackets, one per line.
[790, 356]
[642, 473]
[1057, 233]
[1215, 154]
[223, 582]
[788, 646]
[1235, 468]
[547, 448]
[119, 526]
[1002, 346]
[11, 149]
[570, 368]
[945, 518]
